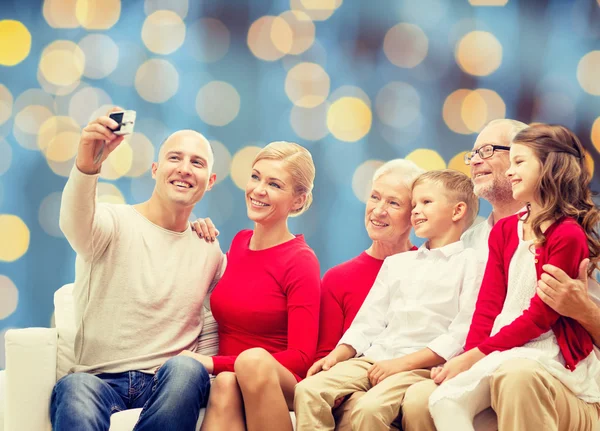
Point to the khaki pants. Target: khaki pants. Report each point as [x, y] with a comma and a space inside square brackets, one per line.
[526, 397]
[373, 411]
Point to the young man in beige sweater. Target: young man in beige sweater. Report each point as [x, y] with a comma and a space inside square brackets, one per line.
[140, 281]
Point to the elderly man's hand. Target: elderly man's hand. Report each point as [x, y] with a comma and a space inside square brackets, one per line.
[565, 295]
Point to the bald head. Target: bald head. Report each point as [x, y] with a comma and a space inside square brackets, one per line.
[186, 138]
[505, 129]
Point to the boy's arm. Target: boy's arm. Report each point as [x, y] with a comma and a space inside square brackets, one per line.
[370, 319]
[451, 343]
[566, 249]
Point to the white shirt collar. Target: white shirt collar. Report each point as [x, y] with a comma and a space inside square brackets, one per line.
[447, 250]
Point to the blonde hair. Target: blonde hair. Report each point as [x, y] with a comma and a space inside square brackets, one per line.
[300, 165]
[404, 170]
[459, 188]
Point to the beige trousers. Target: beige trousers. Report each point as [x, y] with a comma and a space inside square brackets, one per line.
[526, 397]
[375, 410]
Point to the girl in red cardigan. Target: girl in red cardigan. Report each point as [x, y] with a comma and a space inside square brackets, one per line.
[267, 302]
[547, 170]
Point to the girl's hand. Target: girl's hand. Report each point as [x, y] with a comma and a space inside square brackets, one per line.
[456, 365]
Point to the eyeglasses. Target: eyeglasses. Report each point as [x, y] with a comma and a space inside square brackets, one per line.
[484, 152]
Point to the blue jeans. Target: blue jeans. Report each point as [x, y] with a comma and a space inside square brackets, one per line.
[171, 399]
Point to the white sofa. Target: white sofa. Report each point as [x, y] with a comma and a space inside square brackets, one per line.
[37, 357]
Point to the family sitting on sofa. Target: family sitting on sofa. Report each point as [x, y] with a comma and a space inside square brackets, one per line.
[493, 315]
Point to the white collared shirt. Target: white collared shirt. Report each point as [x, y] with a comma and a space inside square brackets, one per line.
[422, 298]
[476, 237]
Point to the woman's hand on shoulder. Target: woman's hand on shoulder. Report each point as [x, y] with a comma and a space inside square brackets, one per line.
[205, 228]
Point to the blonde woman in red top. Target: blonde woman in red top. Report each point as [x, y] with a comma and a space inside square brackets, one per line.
[267, 302]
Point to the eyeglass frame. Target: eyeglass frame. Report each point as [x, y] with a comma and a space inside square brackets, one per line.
[469, 155]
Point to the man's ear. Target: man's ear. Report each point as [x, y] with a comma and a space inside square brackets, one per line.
[154, 168]
[459, 211]
[211, 181]
[299, 202]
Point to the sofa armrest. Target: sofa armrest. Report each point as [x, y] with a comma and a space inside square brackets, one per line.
[2, 372]
[30, 377]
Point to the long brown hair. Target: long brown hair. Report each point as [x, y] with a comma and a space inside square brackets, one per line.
[564, 183]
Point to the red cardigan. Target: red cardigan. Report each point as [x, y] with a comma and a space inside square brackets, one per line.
[566, 246]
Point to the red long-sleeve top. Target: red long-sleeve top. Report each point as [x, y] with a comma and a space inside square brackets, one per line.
[270, 299]
[566, 246]
[343, 290]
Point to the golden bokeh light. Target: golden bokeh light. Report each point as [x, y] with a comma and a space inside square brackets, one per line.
[110, 194]
[15, 42]
[398, 104]
[208, 40]
[362, 180]
[315, 54]
[62, 63]
[588, 72]
[589, 163]
[488, 2]
[307, 85]
[119, 163]
[349, 119]
[15, 237]
[458, 164]
[10, 297]
[49, 213]
[317, 10]
[303, 30]
[86, 104]
[468, 111]
[595, 135]
[479, 53]
[217, 103]
[6, 104]
[405, 45]
[222, 164]
[61, 13]
[427, 159]
[142, 154]
[241, 165]
[180, 7]
[310, 123]
[101, 55]
[27, 125]
[98, 14]
[58, 138]
[473, 111]
[56, 90]
[153, 71]
[350, 91]
[270, 38]
[163, 32]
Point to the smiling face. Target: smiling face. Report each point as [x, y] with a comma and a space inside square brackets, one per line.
[183, 171]
[489, 179]
[270, 194]
[524, 172]
[387, 215]
[432, 211]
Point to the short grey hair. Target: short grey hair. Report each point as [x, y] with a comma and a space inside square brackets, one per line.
[515, 127]
[405, 170]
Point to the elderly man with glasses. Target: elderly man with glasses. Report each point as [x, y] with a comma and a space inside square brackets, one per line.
[524, 395]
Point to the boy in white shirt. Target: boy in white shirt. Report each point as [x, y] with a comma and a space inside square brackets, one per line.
[416, 315]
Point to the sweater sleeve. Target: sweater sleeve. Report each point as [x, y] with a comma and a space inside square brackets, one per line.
[491, 294]
[331, 322]
[565, 249]
[303, 290]
[88, 226]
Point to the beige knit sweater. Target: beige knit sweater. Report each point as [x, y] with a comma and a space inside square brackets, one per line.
[139, 288]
